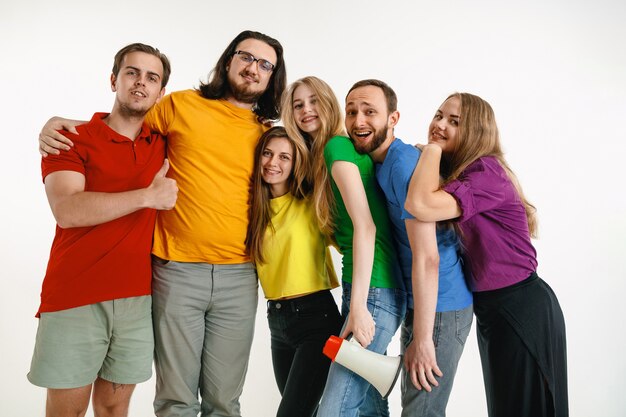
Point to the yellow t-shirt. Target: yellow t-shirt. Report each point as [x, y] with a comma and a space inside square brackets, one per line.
[297, 259]
[210, 146]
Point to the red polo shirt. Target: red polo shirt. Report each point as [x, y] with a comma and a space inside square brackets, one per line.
[111, 260]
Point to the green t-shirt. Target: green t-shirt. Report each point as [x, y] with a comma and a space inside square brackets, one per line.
[385, 269]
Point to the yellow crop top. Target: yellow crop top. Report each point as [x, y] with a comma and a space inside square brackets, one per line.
[297, 259]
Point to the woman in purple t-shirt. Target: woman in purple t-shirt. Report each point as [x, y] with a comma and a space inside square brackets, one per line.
[521, 330]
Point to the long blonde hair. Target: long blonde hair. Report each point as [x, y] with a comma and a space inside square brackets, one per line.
[478, 136]
[260, 212]
[331, 124]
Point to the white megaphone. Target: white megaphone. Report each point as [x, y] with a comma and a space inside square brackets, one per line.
[379, 370]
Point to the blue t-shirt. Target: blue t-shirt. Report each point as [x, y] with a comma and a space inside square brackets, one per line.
[394, 176]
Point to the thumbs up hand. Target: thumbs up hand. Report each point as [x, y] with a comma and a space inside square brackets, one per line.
[163, 191]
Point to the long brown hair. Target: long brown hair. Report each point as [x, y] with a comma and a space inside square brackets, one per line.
[217, 87]
[478, 136]
[331, 124]
[260, 213]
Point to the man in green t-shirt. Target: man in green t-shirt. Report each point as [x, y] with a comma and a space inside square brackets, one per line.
[374, 301]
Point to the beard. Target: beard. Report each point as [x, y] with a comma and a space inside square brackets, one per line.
[128, 112]
[243, 94]
[378, 138]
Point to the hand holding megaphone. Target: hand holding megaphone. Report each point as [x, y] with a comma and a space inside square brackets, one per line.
[360, 325]
[379, 370]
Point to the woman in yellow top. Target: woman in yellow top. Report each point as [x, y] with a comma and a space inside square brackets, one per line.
[295, 270]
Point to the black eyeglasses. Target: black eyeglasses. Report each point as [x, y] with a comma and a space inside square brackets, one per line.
[248, 58]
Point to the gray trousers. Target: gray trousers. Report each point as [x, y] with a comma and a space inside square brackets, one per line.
[204, 318]
[449, 334]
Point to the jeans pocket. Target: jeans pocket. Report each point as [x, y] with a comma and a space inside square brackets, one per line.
[437, 328]
[324, 313]
[391, 300]
[310, 314]
[464, 319]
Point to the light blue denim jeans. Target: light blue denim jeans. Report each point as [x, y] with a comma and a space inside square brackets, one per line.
[449, 335]
[345, 391]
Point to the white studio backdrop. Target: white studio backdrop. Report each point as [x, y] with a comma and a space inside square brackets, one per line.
[554, 71]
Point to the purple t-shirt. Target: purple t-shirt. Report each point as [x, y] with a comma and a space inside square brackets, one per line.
[493, 226]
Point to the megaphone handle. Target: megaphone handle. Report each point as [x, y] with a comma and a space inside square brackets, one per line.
[350, 338]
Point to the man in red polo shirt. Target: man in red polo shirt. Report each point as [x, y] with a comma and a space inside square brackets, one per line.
[95, 327]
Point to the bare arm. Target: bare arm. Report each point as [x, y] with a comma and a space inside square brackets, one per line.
[425, 200]
[52, 142]
[420, 359]
[72, 206]
[348, 180]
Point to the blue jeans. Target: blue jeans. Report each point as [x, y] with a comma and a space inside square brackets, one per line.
[345, 391]
[449, 335]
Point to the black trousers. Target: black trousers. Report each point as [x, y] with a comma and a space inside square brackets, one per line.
[521, 339]
[299, 328]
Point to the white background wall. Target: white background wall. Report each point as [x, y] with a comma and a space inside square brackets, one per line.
[554, 71]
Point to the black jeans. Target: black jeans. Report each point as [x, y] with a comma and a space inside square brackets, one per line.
[299, 329]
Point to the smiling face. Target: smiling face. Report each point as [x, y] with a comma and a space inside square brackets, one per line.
[305, 110]
[137, 84]
[444, 129]
[276, 165]
[368, 120]
[247, 80]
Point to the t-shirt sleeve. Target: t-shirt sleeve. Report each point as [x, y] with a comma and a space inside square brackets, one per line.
[339, 149]
[65, 161]
[478, 189]
[159, 118]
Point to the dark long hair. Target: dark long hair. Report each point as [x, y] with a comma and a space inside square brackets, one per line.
[260, 214]
[268, 105]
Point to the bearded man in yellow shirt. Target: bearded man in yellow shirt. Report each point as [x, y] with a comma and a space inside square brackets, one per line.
[204, 289]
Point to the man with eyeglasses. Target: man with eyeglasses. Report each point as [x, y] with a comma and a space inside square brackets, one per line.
[204, 286]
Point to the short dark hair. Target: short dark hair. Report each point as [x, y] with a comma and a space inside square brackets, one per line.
[140, 47]
[390, 95]
[268, 105]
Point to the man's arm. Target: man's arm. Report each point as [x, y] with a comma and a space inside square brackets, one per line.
[348, 180]
[72, 206]
[420, 359]
[51, 142]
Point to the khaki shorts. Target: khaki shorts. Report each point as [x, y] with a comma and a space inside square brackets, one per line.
[112, 340]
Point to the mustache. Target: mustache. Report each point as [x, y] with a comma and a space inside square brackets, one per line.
[246, 73]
